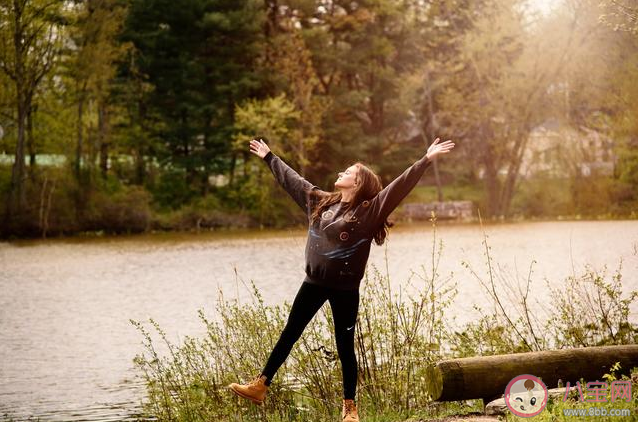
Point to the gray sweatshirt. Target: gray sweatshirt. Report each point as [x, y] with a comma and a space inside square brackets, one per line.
[338, 244]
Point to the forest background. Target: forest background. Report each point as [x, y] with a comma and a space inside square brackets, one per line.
[135, 115]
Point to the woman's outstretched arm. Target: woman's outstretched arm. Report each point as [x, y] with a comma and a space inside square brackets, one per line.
[296, 186]
[389, 198]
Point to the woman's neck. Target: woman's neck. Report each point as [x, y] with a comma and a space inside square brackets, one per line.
[347, 195]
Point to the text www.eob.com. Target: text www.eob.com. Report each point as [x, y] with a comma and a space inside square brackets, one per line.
[597, 411]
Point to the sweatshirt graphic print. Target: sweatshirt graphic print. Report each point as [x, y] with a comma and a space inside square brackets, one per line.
[338, 243]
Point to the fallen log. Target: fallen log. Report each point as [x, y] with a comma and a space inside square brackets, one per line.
[485, 377]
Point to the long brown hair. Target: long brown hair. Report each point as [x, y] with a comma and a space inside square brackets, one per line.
[368, 186]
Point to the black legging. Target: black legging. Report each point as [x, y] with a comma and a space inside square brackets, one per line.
[345, 306]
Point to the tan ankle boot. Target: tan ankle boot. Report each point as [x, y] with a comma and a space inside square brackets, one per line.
[254, 391]
[349, 413]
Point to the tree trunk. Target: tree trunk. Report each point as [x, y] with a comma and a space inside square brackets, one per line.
[493, 187]
[490, 177]
[16, 190]
[513, 172]
[103, 137]
[80, 194]
[79, 147]
[17, 198]
[140, 166]
[30, 141]
[32, 59]
[233, 164]
[433, 127]
[205, 189]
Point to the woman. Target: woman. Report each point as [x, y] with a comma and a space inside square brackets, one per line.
[342, 225]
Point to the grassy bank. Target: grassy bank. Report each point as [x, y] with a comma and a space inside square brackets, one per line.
[547, 198]
[400, 331]
[56, 203]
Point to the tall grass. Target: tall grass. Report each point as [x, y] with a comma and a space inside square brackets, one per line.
[400, 331]
[587, 309]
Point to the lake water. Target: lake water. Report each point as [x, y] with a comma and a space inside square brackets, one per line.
[66, 343]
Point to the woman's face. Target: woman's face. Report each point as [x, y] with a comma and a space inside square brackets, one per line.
[347, 179]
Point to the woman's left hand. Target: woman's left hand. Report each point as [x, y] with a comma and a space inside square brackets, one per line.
[259, 148]
[436, 148]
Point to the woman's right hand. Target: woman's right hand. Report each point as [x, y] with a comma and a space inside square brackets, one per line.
[259, 148]
[436, 148]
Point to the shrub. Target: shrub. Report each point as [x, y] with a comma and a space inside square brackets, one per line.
[397, 335]
[125, 211]
[204, 213]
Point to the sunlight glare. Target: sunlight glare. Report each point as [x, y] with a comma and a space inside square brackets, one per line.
[543, 6]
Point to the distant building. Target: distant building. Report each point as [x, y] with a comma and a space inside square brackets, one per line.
[56, 160]
[555, 149]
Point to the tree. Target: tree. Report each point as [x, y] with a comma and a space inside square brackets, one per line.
[30, 35]
[598, 87]
[199, 57]
[504, 90]
[293, 74]
[91, 63]
[136, 124]
[445, 24]
[361, 52]
[278, 120]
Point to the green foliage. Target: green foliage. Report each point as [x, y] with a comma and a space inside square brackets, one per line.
[165, 95]
[487, 336]
[590, 194]
[401, 334]
[262, 199]
[278, 119]
[593, 311]
[198, 56]
[273, 118]
[542, 196]
[52, 193]
[452, 192]
[49, 194]
[202, 213]
[125, 211]
[172, 189]
[363, 54]
[5, 180]
[628, 167]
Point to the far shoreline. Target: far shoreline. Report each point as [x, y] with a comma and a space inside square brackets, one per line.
[298, 230]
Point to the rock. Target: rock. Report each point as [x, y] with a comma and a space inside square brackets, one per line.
[498, 406]
[443, 210]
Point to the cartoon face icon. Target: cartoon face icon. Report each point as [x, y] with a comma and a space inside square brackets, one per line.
[527, 403]
[526, 396]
